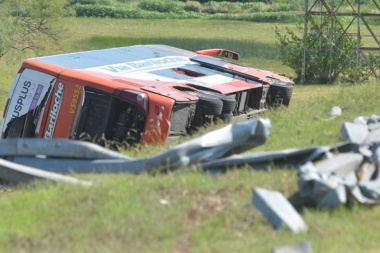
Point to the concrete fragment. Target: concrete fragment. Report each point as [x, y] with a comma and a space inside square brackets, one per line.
[365, 151]
[315, 188]
[361, 120]
[366, 171]
[376, 158]
[277, 209]
[374, 119]
[341, 164]
[356, 133]
[370, 190]
[359, 197]
[333, 198]
[325, 189]
[372, 137]
[350, 179]
[373, 124]
[366, 193]
[322, 196]
[303, 247]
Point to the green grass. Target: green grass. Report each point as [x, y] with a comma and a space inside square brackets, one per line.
[307, 122]
[244, 47]
[123, 213]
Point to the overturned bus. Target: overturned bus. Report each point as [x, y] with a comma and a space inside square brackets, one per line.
[137, 94]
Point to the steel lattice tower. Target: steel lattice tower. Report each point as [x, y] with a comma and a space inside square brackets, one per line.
[356, 23]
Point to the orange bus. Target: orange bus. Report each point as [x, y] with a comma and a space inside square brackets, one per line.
[137, 94]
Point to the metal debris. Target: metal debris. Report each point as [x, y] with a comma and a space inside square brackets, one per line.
[289, 158]
[328, 175]
[13, 173]
[64, 156]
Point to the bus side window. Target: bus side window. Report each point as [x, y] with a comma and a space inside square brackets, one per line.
[106, 118]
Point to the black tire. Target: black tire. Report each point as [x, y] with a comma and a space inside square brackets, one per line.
[208, 104]
[226, 117]
[279, 94]
[229, 103]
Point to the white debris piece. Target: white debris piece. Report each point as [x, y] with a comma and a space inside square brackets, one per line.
[277, 209]
[361, 120]
[355, 133]
[335, 111]
[341, 164]
[353, 172]
[325, 184]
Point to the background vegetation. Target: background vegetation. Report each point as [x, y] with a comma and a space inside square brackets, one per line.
[30, 27]
[186, 210]
[257, 11]
[329, 55]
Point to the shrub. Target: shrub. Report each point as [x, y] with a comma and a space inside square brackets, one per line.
[103, 11]
[280, 7]
[92, 2]
[127, 11]
[233, 1]
[193, 6]
[117, 11]
[226, 7]
[270, 17]
[255, 7]
[236, 6]
[161, 6]
[327, 55]
[214, 7]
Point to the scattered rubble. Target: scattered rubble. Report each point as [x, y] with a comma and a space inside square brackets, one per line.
[328, 175]
[343, 175]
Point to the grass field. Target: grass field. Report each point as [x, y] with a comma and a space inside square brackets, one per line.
[124, 213]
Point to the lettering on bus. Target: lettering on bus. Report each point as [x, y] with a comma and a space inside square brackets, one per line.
[74, 100]
[21, 99]
[54, 112]
[126, 67]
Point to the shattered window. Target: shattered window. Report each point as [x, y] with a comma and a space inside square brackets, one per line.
[23, 126]
[107, 119]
